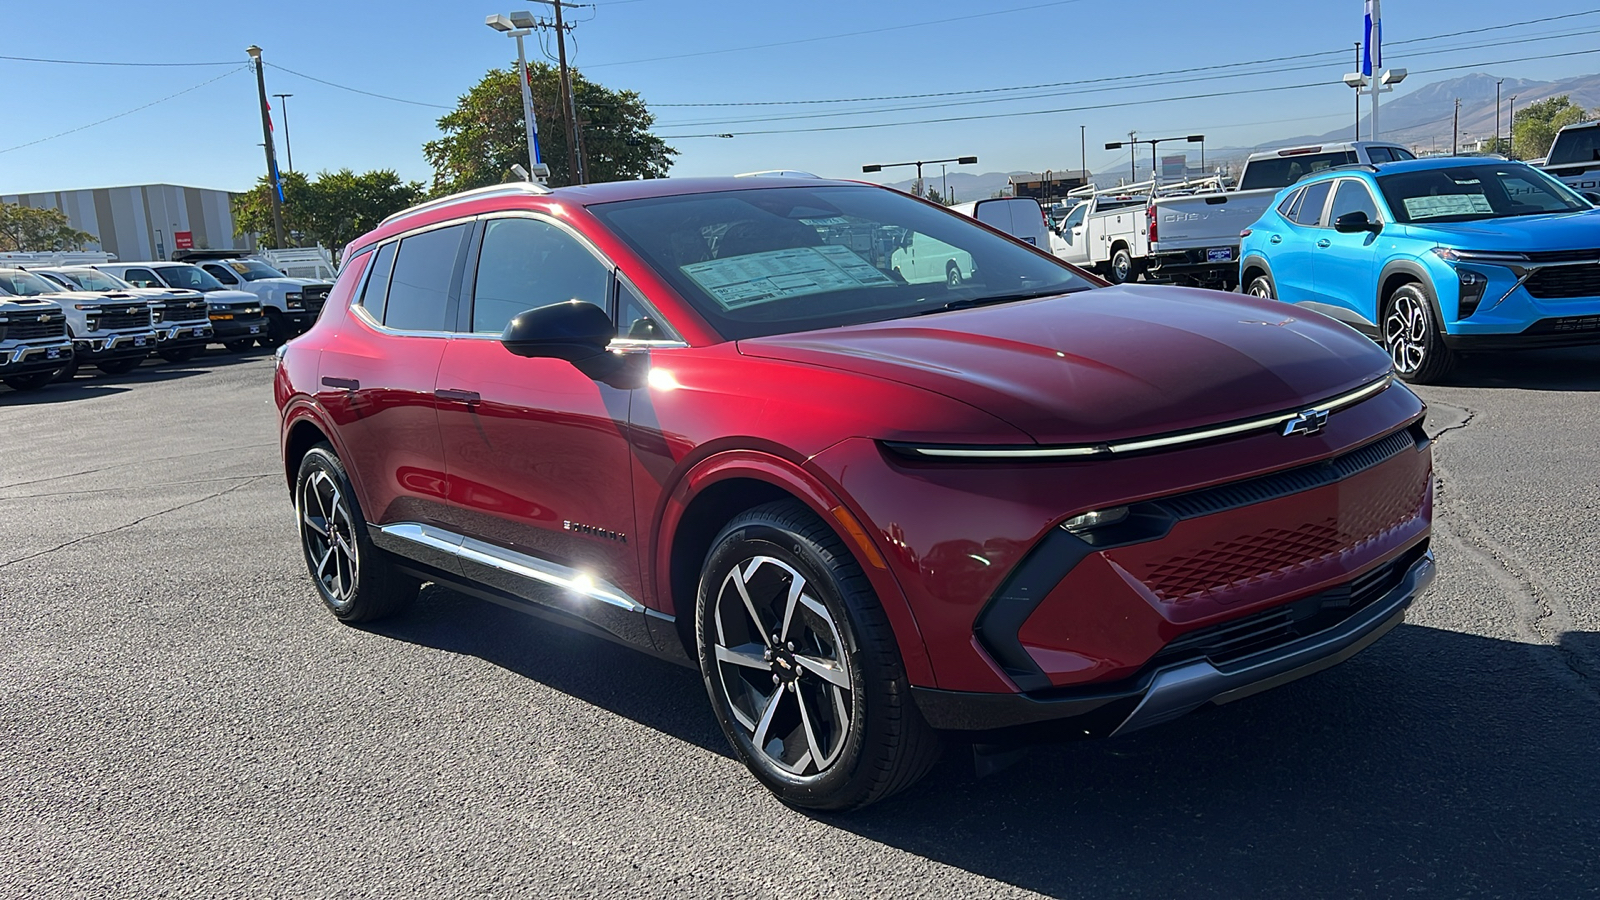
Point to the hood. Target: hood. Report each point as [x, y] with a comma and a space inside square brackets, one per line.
[1516, 234]
[1108, 363]
[289, 280]
[231, 296]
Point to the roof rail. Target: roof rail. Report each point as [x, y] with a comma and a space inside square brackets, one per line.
[779, 173]
[493, 190]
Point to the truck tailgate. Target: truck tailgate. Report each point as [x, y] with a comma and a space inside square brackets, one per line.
[1204, 221]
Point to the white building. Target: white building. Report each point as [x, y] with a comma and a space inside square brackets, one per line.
[147, 221]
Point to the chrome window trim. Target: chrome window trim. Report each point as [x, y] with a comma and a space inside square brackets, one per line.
[1135, 445]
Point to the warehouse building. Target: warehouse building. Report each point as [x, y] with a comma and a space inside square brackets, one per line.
[146, 221]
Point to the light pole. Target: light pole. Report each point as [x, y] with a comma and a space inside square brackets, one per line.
[1083, 153]
[1497, 84]
[276, 194]
[959, 160]
[1511, 128]
[514, 26]
[288, 148]
[1154, 173]
[1381, 84]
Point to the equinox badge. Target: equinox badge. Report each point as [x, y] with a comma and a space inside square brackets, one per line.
[1308, 422]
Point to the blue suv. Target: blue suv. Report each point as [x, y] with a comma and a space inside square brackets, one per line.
[1434, 256]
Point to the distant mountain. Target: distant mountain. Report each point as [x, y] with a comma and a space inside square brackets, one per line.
[965, 186]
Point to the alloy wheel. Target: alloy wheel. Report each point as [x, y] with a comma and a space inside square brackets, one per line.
[1405, 333]
[782, 666]
[328, 531]
[1261, 288]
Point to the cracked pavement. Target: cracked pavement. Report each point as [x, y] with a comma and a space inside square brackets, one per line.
[179, 717]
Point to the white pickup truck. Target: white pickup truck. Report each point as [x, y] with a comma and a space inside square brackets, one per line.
[1575, 157]
[1193, 238]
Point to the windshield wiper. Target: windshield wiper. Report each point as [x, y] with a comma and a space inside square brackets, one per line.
[971, 302]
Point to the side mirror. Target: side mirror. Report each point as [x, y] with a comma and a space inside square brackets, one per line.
[1352, 222]
[574, 331]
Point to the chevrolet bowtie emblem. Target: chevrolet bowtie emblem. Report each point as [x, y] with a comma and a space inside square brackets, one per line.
[1308, 422]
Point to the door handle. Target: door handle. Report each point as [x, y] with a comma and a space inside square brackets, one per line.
[343, 384]
[462, 396]
[1276, 239]
[1324, 243]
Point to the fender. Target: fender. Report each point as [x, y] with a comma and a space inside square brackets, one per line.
[1255, 259]
[1415, 268]
[821, 498]
[303, 408]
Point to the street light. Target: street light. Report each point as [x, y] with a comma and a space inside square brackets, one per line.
[1154, 175]
[287, 147]
[519, 25]
[959, 160]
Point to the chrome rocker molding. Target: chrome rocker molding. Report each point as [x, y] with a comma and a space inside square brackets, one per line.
[1180, 690]
[531, 585]
[1135, 445]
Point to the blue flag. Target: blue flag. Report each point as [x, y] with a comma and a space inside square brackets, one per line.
[1372, 56]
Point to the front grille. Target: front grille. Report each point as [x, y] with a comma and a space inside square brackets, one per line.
[27, 327]
[1231, 641]
[121, 318]
[315, 295]
[1565, 325]
[1565, 282]
[182, 312]
[1556, 256]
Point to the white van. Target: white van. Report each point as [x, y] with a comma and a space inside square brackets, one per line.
[1019, 217]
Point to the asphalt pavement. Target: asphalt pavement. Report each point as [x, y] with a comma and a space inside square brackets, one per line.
[180, 717]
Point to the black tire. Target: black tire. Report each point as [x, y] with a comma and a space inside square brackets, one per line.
[1411, 335]
[952, 274]
[1261, 286]
[1121, 269]
[356, 581]
[119, 366]
[70, 372]
[239, 346]
[31, 382]
[873, 740]
[179, 354]
[277, 330]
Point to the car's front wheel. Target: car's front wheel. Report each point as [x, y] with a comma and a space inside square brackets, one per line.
[1412, 337]
[952, 274]
[239, 346]
[178, 354]
[355, 580]
[801, 666]
[119, 366]
[31, 382]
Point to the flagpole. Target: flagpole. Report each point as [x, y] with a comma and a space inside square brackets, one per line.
[1374, 57]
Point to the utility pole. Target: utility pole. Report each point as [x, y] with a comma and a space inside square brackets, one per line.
[288, 148]
[1133, 160]
[1511, 128]
[272, 157]
[1083, 153]
[1497, 115]
[1455, 130]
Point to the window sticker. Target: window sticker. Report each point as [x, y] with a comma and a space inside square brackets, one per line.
[239, 267]
[741, 281]
[1447, 205]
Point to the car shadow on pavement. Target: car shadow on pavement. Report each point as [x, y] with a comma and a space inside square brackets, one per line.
[658, 694]
[60, 392]
[1573, 369]
[1435, 762]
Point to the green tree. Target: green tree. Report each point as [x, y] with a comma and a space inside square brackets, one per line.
[29, 228]
[934, 195]
[332, 209]
[1534, 129]
[484, 136]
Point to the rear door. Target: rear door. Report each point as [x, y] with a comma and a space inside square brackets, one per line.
[536, 453]
[1292, 260]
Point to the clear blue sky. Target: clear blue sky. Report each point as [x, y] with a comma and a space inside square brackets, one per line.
[430, 52]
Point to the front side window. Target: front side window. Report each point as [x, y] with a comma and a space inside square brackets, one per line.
[529, 263]
[1352, 196]
[221, 274]
[1474, 192]
[796, 258]
[191, 278]
[419, 288]
[1309, 212]
[142, 278]
[1075, 218]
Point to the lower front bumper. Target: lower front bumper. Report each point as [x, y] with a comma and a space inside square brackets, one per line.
[32, 358]
[1568, 331]
[116, 346]
[184, 335]
[238, 329]
[1167, 693]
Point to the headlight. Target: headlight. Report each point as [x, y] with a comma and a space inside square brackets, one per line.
[293, 300]
[1098, 518]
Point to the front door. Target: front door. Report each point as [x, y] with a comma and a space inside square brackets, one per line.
[1347, 267]
[536, 453]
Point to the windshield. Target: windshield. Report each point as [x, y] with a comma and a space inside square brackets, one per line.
[192, 277]
[1577, 145]
[1474, 192]
[90, 280]
[26, 284]
[250, 270]
[781, 260]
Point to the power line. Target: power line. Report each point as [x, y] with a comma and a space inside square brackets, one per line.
[357, 90]
[97, 62]
[830, 37]
[129, 112]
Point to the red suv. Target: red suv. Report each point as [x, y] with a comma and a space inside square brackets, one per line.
[717, 420]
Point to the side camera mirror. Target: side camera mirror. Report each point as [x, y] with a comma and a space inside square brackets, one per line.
[1352, 222]
[574, 331]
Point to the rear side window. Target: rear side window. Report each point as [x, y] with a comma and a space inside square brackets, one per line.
[377, 288]
[419, 288]
[526, 264]
[1380, 154]
[1316, 197]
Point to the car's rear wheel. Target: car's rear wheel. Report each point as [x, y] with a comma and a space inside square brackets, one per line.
[119, 366]
[801, 666]
[952, 274]
[355, 580]
[1261, 286]
[1121, 270]
[1412, 337]
[178, 354]
[31, 382]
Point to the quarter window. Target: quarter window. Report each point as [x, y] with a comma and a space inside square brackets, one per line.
[1352, 196]
[636, 321]
[1286, 208]
[377, 289]
[1316, 197]
[419, 288]
[528, 263]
